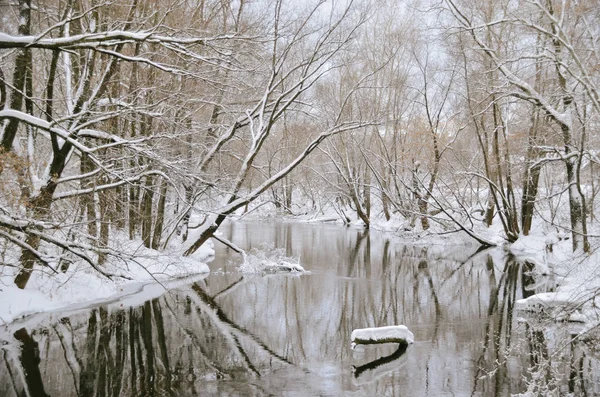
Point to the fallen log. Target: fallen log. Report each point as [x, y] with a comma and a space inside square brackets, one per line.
[389, 334]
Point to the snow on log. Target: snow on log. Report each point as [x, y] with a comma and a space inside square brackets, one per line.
[390, 334]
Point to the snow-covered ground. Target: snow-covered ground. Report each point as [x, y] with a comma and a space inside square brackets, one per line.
[149, 271]
[577, 276]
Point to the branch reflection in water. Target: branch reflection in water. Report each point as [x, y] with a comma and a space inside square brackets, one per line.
[382, 366]
[269, 335]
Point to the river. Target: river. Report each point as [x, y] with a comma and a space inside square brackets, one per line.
[234, 334]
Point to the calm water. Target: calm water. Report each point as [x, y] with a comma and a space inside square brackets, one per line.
[231, 334]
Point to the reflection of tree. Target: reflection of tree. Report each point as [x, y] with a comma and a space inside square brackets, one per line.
[381, 366]
[88, 373]
[234, 331]
[517, 281]
[558, 359]
[498, 326]
[363, 237]
[64, 331]
[577, 375]
[162, 347]
[423, 271]
[246, 330]
[30, 361]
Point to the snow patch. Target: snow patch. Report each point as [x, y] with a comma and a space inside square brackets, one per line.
[393, 333]
[546, 300]
[148, 270]
[269, 260]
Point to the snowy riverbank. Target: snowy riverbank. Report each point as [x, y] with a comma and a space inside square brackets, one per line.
[576, 276]
[81, 285]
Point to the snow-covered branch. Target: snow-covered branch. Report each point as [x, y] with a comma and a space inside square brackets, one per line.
[107, 186]
[105, 39]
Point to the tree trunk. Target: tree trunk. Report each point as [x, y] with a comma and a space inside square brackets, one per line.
[22, 66]
[289, 191]
[531, 177]
[160, 215]
[575, 202]
[417, 193]
[87, 200]
[385, 203]
[133, 204]
[367, 193]
[2, 89]
[575, 198]
[105, 222]
[423, 210]
[207, 233]
[490, 209]
[506, 211]
[360, 211]
[186, 217]
[530, 188]
[120, 200]
[40, 208]
[146, 210]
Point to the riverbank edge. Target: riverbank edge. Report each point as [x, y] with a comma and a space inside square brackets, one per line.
[82, 286]
[549, 253]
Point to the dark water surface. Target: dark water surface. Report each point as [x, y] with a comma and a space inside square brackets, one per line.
[231, 334]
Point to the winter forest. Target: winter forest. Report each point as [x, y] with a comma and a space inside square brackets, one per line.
[133, 132]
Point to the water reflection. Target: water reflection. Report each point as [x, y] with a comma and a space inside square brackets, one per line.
[30, 359]
[381, 366]
[234, 334]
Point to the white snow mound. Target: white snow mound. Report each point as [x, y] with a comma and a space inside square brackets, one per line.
[393, 333]
[269, 261]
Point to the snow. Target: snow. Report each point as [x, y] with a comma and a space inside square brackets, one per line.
[534, 249]
[546, 300]
[149, 273]
[577, 277]
[269, 260]
[374, 335]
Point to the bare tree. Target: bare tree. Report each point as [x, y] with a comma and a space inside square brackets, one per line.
[104, 100]
[300, 54]
[568, 87]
